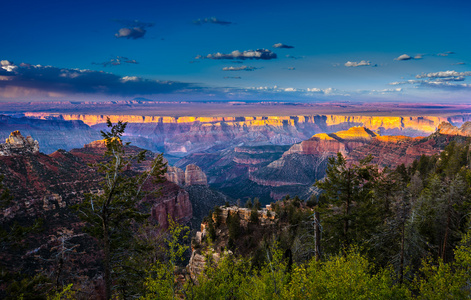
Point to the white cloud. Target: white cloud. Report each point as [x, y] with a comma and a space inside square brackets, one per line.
[403, 57]
[249, 54]
[357, 64]
[8, 65]
[443, 74]
[129, 78]
[283, 46]
[241, 68]
[131, 33]
[405, 82]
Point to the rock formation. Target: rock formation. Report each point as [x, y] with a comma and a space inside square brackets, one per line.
[195, 176]
[175, 175]
[16, 144]
[448, 129]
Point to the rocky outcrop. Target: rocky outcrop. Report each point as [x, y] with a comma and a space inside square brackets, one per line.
[195, 176]
[16, 144]
[266, 218]
[448, 129]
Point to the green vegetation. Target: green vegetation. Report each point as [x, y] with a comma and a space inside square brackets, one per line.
[112, 216]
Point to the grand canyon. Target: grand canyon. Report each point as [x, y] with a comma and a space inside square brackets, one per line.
[211, 161]
[219, 150]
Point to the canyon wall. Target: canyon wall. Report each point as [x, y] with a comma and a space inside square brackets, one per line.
[180, 136]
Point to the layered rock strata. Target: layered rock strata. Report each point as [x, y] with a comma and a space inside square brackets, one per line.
[187, 134]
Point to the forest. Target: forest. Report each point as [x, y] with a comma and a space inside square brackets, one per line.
[366, 233]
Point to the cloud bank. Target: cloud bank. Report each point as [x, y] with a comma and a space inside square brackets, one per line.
[443, 74]
[26, 79]
[262, 54]
[444, 79]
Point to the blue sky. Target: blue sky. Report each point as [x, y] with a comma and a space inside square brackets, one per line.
[340, 50]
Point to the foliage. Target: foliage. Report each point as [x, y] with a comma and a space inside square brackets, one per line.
[161, 281]
[65, 294]
[112, 215]
[347, 200]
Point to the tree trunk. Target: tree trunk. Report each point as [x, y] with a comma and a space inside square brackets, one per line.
[347, 213]
[401, 267]
[106, 260]
[447, 229]
[317, 235]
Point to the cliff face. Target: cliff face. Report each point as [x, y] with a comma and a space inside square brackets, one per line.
[175, 175]
[183, 135]
[388, 152]
[391, 151]
[193, 175]
[174, 202]
[422, 123]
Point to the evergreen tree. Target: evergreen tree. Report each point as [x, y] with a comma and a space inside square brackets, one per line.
[112, 214]
[347, 194]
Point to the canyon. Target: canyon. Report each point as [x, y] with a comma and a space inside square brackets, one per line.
[180, 136]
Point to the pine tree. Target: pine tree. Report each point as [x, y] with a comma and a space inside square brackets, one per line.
[347, 191]
[112, 214]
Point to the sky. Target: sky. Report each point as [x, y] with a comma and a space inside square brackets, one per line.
[307, 51]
